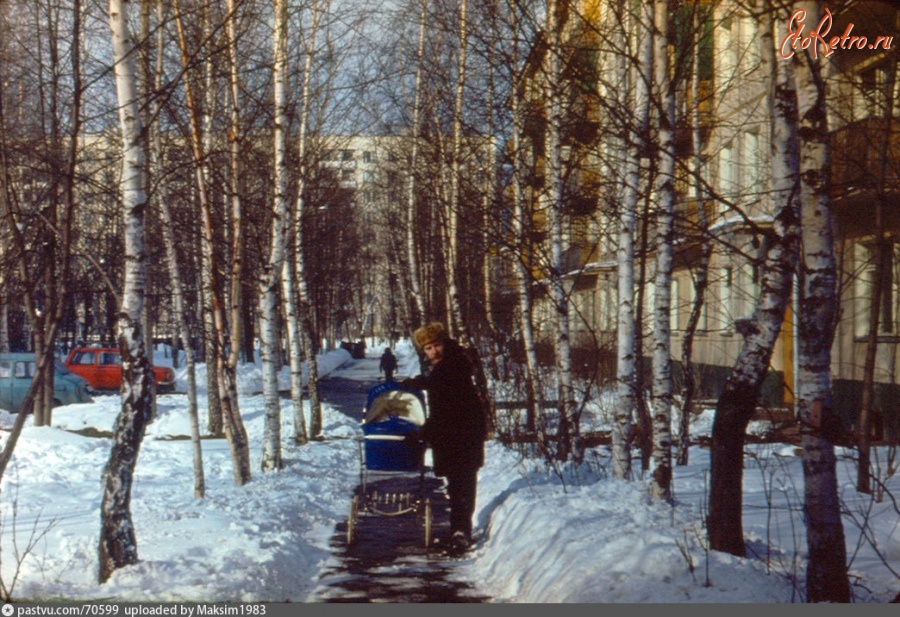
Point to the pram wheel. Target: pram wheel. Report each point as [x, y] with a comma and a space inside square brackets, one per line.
[351, 521]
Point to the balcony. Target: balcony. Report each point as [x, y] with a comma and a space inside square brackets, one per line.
[864, 158]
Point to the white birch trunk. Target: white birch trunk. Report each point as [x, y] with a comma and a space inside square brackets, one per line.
[701, 269]
[738, 402]
[522, 224]
[235, 431]
[295, 349]
[118, 543]
[453, 203]
[305, 310]
[661, 460]
[412, 258]
[555, 217]
[626, 322]
[271, 271]
[293, 312]
[827, 568]
[210, 278]
[175, 279]
[237, 243]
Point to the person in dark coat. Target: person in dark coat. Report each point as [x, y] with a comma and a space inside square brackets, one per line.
[456, 427]
[388, 364]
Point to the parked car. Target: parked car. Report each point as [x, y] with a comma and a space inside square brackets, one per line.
[18, 369]
[102, 368]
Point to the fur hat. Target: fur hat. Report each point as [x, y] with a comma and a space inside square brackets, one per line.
[432, 333]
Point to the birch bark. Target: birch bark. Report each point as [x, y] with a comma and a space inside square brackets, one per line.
[555, 216]
[737, 402]
[235, 431]
[175, 280]
[118, 543]
[271, 270]
[308, 330]
[819, 425]
[411, 255]
[661, 468]
[524, 259]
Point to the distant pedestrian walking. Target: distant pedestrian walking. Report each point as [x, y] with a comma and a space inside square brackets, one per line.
[388, 364]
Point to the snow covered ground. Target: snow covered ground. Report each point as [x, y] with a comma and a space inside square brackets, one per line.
[545, 536]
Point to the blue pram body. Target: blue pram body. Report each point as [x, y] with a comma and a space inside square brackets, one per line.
[392, 412]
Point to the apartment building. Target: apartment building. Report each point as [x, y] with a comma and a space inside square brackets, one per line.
[723, 200]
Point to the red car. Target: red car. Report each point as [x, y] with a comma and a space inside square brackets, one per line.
[101, 367]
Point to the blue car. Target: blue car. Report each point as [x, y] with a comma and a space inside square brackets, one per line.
[18, 369]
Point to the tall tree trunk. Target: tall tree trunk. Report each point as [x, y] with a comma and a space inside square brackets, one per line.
[700, 275]
[418, 302]
[271, 271]
[661, 471]
[826, 576]
[118, 543]
[175, 281]
[627, 320]
[308, 331]
[210, 276]
[554, 201]
[522, 229]
[294, 312]
[235, 431]
[235, 139]
[737, 402]
[882, 246]
[451, 244]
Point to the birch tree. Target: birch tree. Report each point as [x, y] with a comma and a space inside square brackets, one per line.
[305, 312]
[522, 237]
[271, 274]
[737, 402]
[661, 470]
[118, 543]
[236, 168]
[172, 265]
[451, 229]
[626, 323]
[298, 316]
[553, 150]
[413, 262]
[235, 431]
[700, 276]
[826, 576]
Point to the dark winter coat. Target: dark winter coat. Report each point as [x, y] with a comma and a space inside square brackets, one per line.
[456, 427]
[388, 361]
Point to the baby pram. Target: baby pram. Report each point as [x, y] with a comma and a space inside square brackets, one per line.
[392, 411]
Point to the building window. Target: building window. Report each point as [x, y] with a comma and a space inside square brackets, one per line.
[726, 297]
[608, 308]
[889, 303]
[750, 161]
[347, 155]
[368, 156]
[703, 320]
[675, 307]
[348, 175]
[727, 170]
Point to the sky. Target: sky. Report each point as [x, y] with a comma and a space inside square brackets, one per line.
[541, 536]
